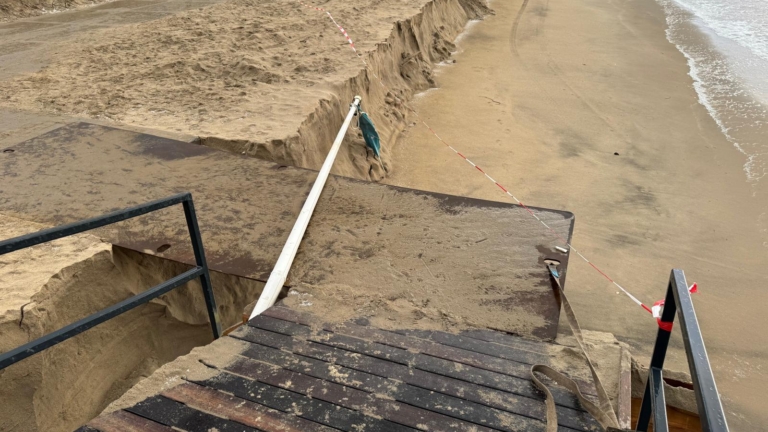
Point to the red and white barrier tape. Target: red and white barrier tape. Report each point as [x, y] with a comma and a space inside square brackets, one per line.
[341, 29]
[656, 309]
[505, 190]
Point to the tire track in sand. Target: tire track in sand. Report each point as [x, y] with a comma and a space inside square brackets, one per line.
[515, 25]
[558, 73]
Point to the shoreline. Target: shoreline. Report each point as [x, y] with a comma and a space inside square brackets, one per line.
[544, 110]
[274, 86]
[721, 88]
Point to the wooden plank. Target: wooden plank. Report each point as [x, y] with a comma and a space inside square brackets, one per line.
[514, 348]
[239, 410]
[283, 325]
[123, 421]
[300, 405]
[475, 345]
[464, 356]
[508, 340]
[320, 369]
[456, 406]
[481, 361]
[513, 403]
[350, 398]
[471, 358]
[518, 385]
[625, 390]
[175, 414]
[501, 351]
[459, 359]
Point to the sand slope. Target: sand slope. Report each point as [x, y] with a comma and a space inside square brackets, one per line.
[54, 284]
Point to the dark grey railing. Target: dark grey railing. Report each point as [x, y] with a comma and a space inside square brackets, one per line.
[44, 236]
[678, 301]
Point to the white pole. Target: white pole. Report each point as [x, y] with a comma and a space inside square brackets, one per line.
[283, 266]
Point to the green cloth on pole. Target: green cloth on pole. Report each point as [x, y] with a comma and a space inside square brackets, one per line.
[369, 134]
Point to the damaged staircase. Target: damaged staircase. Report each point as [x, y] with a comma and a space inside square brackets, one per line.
[285, 370]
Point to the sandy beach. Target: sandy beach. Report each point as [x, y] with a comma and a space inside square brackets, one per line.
[586, 106]
[582, 106]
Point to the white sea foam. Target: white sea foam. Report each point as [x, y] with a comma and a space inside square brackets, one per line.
[742, 21]
[729, 68]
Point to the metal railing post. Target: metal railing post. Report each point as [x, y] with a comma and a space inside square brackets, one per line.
[657, 358]
[658, 401]
[205, 277]
[51, 234]
[707, 397]
[678, 302]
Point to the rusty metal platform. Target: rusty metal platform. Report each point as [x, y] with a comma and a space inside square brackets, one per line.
[294, 373]
[363, 235]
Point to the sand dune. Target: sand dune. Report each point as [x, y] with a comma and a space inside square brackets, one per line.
[586, 106]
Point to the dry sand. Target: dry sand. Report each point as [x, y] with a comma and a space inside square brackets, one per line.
[20, 281]
[199, 364]
[49, 286]
[542, 96]
[268, 78]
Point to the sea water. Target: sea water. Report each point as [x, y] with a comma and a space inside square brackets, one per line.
[729, 67]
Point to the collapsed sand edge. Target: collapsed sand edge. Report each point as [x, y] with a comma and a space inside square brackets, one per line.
[266, 79]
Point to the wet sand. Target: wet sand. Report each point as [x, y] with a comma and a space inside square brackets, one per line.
[586, 106]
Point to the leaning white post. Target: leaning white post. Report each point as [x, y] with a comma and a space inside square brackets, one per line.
[283, 266]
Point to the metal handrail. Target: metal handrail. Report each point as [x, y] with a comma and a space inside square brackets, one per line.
[47, 235]
[678, 301]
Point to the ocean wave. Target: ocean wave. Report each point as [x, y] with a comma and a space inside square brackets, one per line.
[728, 69]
